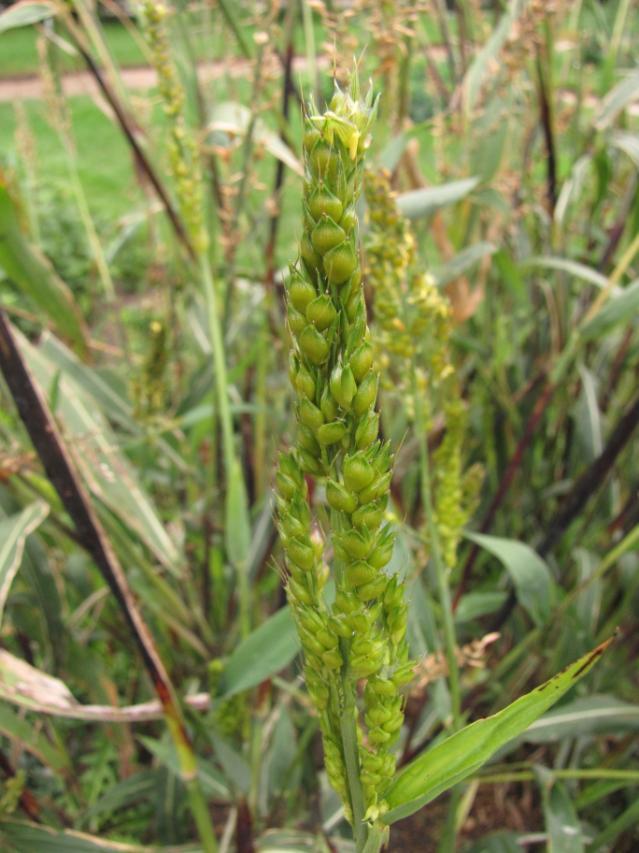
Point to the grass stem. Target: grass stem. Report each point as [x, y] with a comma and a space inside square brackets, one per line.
[441, 575]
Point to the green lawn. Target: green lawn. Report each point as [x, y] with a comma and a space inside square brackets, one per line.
[19, 54]
[102, 155]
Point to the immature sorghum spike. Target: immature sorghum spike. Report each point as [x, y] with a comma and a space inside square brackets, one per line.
[414, 326]
[361, 637]
[184, 157]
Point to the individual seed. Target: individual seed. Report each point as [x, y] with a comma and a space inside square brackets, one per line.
[340, 263]
[343, 386]
[300, 292]
[361, 361]
[366, 393]
[324, 162]
[367, 430]
[381, 555]
[369, 516]
[321, 312]
[304, 382]
[323, 202]
[328, 406]
[356, 544]
[359, 573]
[301, 554]
[309, 414]
[358, 472]
[373, 589]
[331, 433]
[313, 345]
[326, 235]
[375, 489]
[338, 498]
[310, 257]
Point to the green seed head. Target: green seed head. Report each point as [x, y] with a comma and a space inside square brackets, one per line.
[335, 381]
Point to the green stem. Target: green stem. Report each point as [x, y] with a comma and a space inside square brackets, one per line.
[309, 44]
[443, 589]
[188, 773]
[232, 468]
[348, 730]
[348, 724]
[588, 773]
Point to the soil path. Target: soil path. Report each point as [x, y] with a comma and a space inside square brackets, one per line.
[29, 87]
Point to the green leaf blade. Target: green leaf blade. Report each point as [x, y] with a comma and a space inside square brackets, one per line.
[531, 576]
[462, 754]
[13, 536]
[266, 651]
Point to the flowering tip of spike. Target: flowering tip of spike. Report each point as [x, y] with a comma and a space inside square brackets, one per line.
[347, 118]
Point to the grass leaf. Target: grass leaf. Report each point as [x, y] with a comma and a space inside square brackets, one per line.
[452, 760]
[418, 203]
[105, 469]
[263, 653]
[620, 308]
[25, 13]
[13, 536]
[530, 574]
[36, 278]
[618, 99]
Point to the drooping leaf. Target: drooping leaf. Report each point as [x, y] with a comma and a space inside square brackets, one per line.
[230, 117]
[617, 99]
[530, 574]
[27, 687]
[261, 655]
[94, 446]
[620, 308]
[462, 754]
[462, 262]
[426, 201]
[588, 715]
[35, 277]
[25, 13]
[571, 268]
[628, 143]
[13, 536]
[477, 604]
